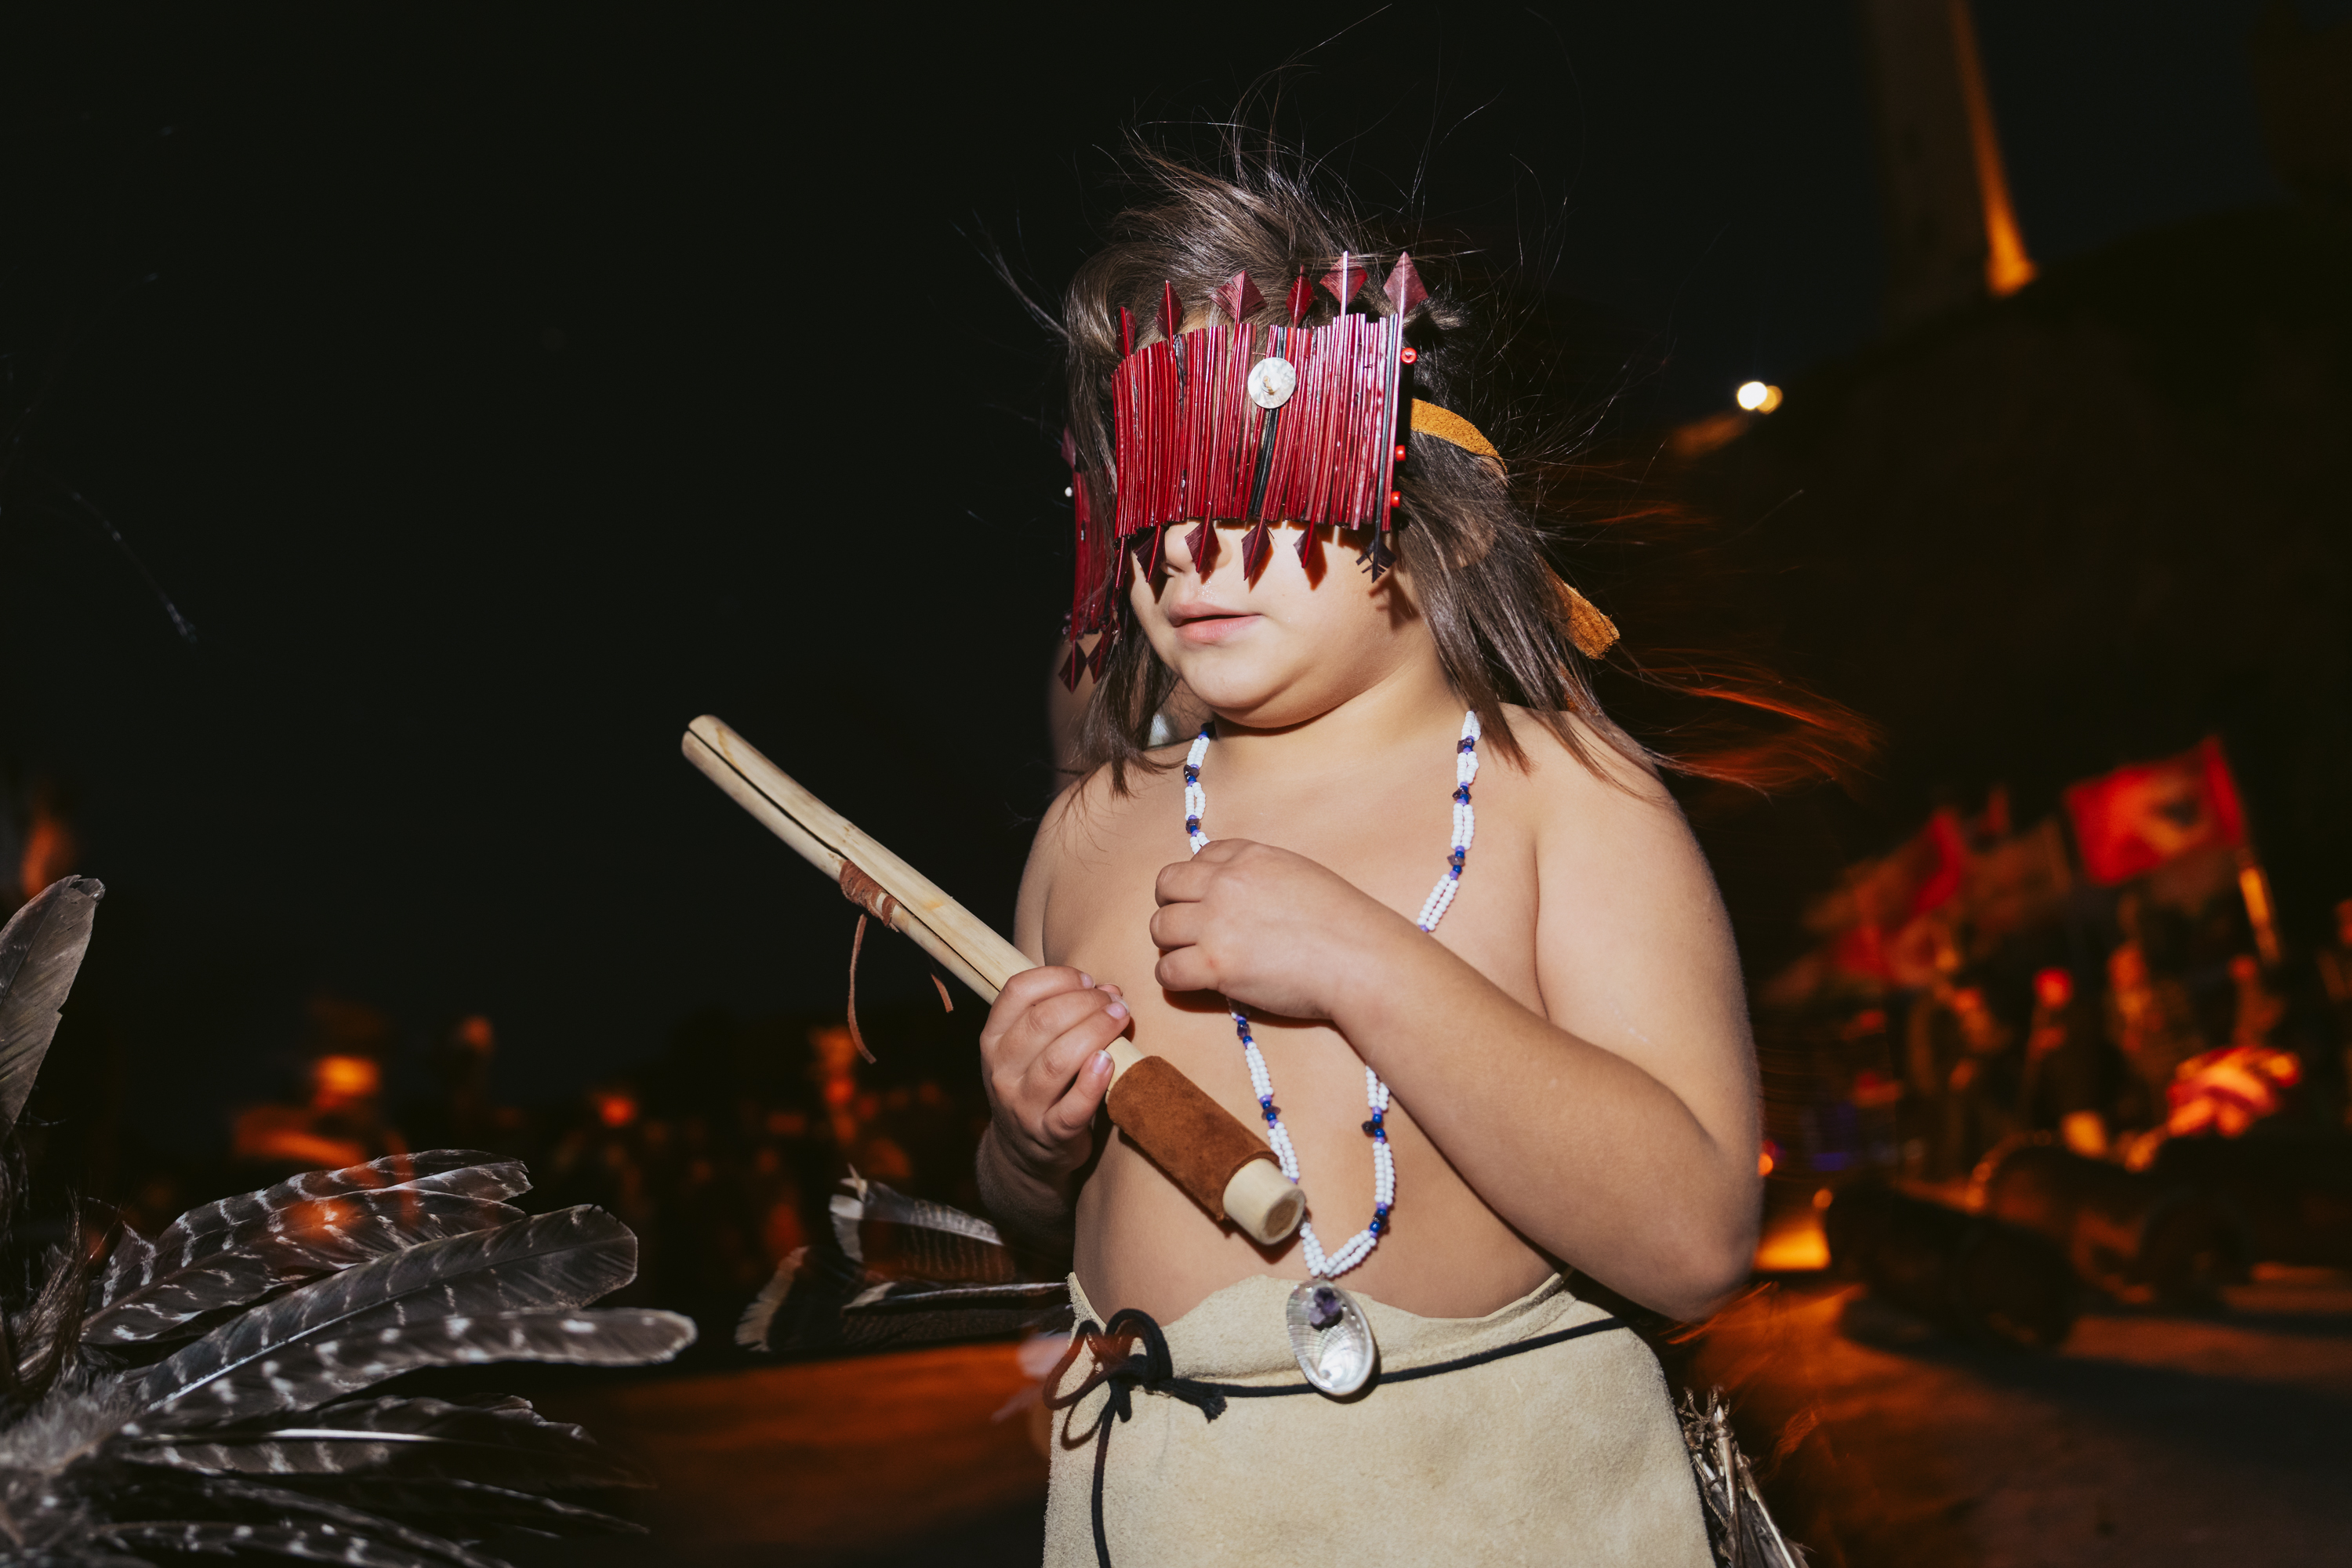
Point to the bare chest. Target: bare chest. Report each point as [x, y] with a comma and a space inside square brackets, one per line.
[1391, 841]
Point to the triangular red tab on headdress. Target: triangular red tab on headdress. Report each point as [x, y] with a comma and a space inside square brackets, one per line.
[1403, 288]
[1074, 665]
[1256, 544]
[1302, 295]
[1148, 541]
[1346, 279]
[1126, 332]
[1240, 297]
[1171, 317]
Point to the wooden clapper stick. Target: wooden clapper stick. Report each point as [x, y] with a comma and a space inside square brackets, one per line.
[1219, 1163]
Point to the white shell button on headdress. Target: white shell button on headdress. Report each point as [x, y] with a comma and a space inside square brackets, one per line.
[1271, 381]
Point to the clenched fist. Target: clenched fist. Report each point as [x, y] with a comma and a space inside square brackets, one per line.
[1042, 1059]
[1268, 928]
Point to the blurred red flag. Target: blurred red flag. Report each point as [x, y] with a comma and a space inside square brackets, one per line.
[1880, 914]
[2137, 817]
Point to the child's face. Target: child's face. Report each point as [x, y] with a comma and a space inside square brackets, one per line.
[1295, 644]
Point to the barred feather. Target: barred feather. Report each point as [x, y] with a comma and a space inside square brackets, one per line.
[310, 1544]
[282, 1506]
[894, 1236]
[465, 1507]
[456, 1173]
[41, 949]
[298, 1374]
[862, 1203]
[552, 1262]
[503, 1440]
[468, 1173]
[187, 1273]
[897, 1271]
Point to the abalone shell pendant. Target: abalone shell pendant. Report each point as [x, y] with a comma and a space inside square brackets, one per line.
[1331, 1337]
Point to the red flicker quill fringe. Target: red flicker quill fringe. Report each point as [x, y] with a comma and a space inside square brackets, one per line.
[1192, 446]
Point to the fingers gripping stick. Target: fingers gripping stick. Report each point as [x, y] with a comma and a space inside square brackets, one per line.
[1218, 1162]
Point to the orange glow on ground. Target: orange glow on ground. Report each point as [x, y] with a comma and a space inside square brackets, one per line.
[1793, 1243]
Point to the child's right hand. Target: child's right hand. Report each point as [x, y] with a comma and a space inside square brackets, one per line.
[1044, 1061]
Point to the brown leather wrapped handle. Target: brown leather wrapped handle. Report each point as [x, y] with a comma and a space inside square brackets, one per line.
[1201, 1146]
[1204, 1149]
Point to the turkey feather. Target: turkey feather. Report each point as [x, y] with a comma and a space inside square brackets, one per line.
[553, 1261]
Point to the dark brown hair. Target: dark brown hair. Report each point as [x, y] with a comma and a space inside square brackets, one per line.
[1479, 543]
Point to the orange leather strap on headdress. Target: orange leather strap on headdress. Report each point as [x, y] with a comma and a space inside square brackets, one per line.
[1453, 430]
[1593, 633]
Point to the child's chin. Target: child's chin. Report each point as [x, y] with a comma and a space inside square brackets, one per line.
[1231, 685]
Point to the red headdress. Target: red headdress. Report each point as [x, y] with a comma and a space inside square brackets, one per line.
[1238, 423]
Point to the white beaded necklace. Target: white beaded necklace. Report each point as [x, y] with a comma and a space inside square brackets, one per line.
[1328, 1331]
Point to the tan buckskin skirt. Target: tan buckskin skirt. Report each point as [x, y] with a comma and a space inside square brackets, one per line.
[1540, 1434]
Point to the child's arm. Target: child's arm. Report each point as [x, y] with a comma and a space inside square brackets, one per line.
[1620, 1133]
[1043, 1062]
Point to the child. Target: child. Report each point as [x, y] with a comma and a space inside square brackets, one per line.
[1573, 1082]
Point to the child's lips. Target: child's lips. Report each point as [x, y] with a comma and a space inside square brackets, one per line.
[1207, 627]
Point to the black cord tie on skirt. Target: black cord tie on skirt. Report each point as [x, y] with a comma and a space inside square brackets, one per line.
[1154, 1372]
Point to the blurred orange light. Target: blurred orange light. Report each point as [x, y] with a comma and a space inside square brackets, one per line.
[614, 1109]
[2007, 267]
[347, 1078]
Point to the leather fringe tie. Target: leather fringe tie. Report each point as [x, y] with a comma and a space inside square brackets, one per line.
[872, 900]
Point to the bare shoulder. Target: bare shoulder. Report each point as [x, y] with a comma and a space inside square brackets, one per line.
[1612, 786]
[1082, 830]
[1612, 847]
[1091, 817]
[1632, 944]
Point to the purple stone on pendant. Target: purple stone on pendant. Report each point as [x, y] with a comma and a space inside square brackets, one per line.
[1331, 1337]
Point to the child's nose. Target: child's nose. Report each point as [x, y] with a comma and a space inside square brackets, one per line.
[1178, 548]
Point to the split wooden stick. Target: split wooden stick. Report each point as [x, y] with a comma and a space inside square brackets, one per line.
[1206, 1149]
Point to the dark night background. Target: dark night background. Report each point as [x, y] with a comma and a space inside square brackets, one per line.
[494, 393]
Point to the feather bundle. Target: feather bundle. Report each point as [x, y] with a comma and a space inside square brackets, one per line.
[256, 1437]
[204, 1392]
[897, 1271]
[496, 1295]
